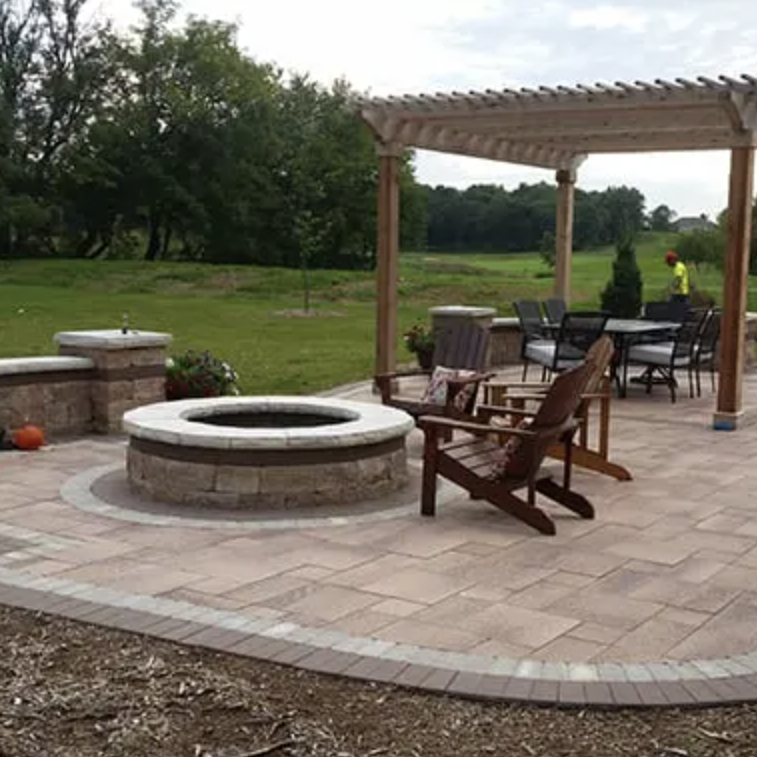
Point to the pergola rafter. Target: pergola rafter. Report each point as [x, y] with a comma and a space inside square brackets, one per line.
[557, 128]
[706, 114]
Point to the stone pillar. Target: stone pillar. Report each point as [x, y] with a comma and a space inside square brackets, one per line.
[564, 233]
[129, 370]
[445, 316]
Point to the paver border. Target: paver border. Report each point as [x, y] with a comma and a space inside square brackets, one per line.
[696, 683]
[77, 491]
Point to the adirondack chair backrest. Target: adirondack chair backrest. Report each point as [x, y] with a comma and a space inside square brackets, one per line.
[521, 460]
[462, 345]
[600, 355]
[563, 398]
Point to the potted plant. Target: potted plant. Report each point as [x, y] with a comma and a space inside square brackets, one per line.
[420, 341]
[199, 375]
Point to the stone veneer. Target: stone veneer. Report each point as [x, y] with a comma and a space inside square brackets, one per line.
[51, 392]
[176, 459]
[129, 370]
[96, 378]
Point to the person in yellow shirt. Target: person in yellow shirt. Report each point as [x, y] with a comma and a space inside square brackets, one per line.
[679, 287]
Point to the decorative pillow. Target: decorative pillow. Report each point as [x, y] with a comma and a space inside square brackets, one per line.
[466, 390]
[436, 391]
[510, 461]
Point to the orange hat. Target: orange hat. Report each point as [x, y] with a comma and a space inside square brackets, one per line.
[671, 257]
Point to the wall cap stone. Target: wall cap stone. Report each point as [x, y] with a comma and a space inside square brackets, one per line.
[506, 323]
[364, 423]
[112, 339]
[15, 366]
[462, 311]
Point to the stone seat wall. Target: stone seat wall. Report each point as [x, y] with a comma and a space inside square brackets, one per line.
[98, 376]
[54, 393]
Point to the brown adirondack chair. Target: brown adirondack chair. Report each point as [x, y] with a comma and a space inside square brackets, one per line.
[499, 396]
[476, 462]
[461, 346]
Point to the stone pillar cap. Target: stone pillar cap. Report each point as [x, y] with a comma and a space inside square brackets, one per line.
[113, 339]
[464, 311]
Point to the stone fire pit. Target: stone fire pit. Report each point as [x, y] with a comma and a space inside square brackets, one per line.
[266, 453]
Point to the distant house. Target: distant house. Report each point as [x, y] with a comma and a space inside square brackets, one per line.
[693, 223]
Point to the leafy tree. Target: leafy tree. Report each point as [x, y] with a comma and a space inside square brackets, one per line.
[702, 247]
[661, 218]
[55, 68]
[622, 297]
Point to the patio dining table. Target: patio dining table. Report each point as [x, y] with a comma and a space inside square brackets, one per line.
[624, 332]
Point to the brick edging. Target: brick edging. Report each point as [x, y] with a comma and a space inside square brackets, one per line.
[244, 640]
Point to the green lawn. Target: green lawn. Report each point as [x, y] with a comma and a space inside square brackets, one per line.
[243, 314]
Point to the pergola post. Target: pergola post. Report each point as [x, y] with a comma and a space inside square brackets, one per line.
[564, 232]
[733, 323]
[387, 252]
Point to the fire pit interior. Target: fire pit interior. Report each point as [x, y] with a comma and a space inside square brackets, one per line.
[268, 420]
[266, 453]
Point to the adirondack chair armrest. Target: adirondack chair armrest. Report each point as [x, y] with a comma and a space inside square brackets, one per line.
[401, 374]
[384, 381]
[433, 423]
[458, 383]
[538, 385]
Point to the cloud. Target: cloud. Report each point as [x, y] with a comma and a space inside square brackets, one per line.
[412, 46]
[604, 17]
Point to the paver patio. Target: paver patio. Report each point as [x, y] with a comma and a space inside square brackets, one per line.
[666, 572]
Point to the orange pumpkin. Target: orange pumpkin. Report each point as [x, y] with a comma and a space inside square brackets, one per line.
[28, 438]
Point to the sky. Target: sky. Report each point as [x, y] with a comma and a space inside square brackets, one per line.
[414, 46]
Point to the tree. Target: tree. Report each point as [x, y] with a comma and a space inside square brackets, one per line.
[661, 218]
[547, 249]
[702, 247]
[622, 297]
[55, 71]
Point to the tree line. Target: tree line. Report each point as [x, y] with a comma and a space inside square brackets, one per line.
[170, 142]
[489, 217]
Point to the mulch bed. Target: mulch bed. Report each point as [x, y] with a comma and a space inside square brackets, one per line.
[78, 690]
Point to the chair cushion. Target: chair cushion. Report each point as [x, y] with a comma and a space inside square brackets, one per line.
[510, 460]
[542, 351]
[436, 391]
[656, 354]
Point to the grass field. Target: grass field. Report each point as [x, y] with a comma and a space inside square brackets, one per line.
[245, 314]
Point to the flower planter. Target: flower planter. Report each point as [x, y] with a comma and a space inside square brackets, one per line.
[426, 359]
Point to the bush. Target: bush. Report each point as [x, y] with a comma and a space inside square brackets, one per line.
[622, 297]
[199, 375]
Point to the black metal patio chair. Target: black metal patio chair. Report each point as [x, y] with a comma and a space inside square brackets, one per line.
[664, 358]
[578, 331]
[532, 330]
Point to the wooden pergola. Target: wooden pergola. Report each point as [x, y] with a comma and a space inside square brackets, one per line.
[557, 128]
